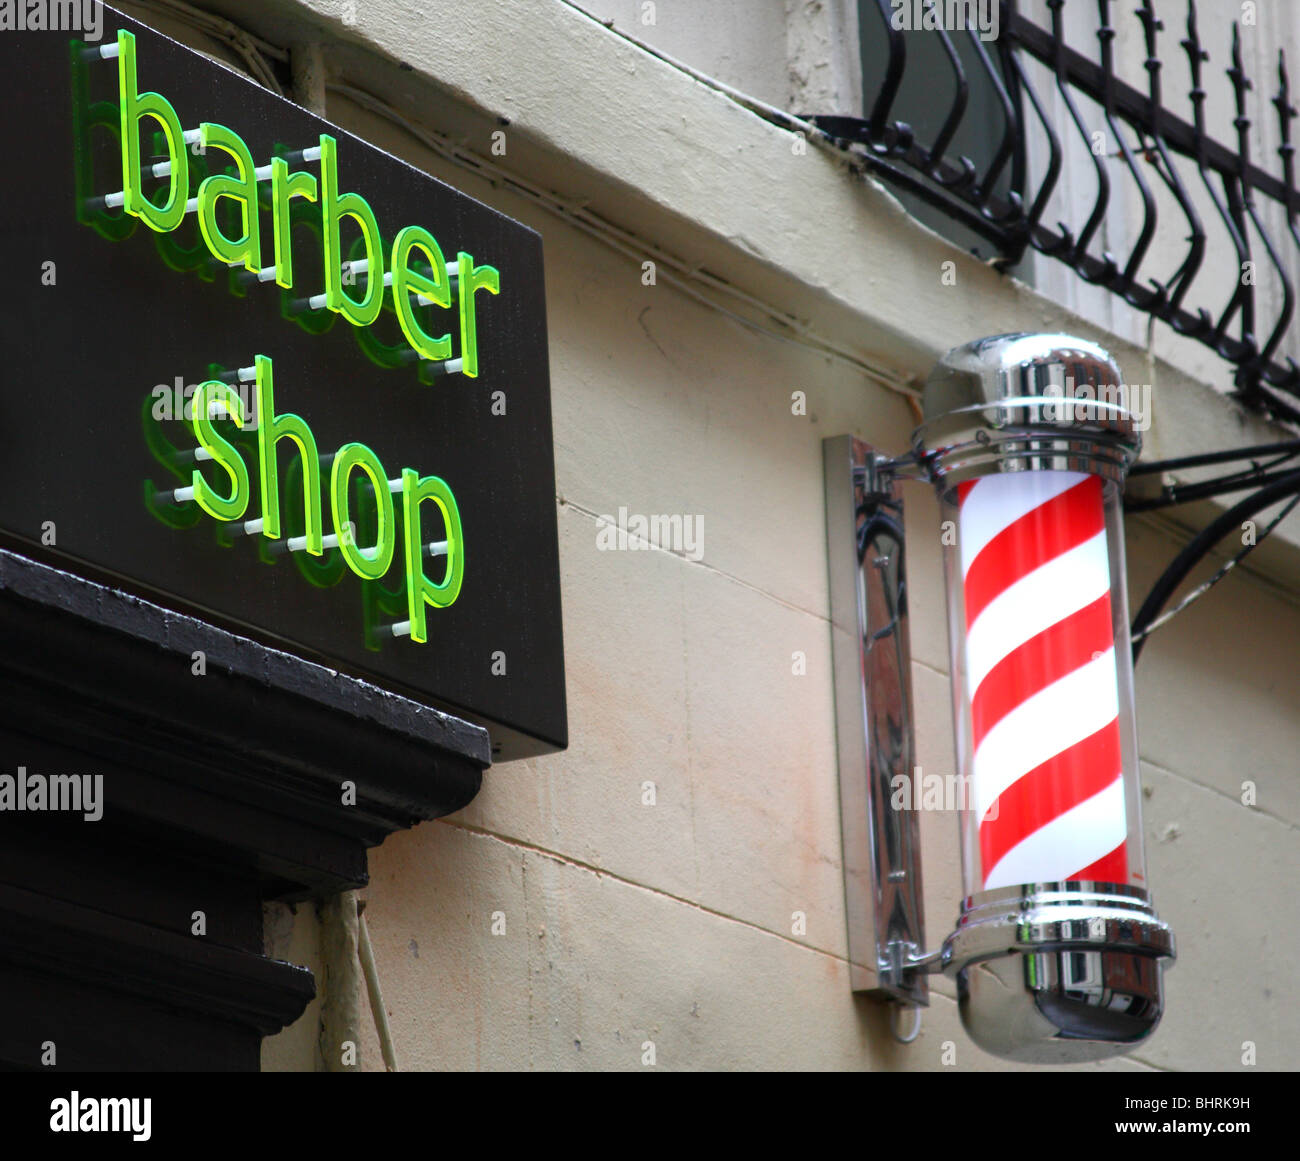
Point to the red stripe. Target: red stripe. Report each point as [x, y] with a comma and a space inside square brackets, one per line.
[1040, 535]
[1048, 791]
[1111, 868]
[963, 490]
[1056, 651]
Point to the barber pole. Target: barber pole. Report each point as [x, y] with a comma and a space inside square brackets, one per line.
[1057, 952]
[1041, 677]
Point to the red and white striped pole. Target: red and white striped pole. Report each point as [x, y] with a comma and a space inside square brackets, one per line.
[1027, 440]
[1047, 774]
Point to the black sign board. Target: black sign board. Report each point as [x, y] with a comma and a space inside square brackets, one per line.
[212, 399]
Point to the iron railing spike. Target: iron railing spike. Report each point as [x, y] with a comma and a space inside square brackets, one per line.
[893, 74]
[1173, 292]
[1080, 251]
[1126, 282]
[957, 110]
[1010, 120]
[1053, 173]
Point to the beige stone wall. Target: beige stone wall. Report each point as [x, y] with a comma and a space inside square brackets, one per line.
[628, 924]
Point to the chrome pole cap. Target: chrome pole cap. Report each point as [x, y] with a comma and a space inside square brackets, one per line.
[1059, 973]
[1026, 402]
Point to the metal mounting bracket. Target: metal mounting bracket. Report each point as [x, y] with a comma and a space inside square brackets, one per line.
[874, 728]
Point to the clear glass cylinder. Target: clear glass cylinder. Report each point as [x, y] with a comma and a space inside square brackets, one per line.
[1046, 734]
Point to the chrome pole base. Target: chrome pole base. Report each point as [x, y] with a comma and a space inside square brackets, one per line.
[1058, 973]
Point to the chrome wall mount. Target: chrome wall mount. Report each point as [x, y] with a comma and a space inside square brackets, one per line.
[873, 707]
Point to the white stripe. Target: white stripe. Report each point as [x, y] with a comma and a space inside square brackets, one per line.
[1067, 844]
[997, 502]
[1045, 725]
[1036, 602]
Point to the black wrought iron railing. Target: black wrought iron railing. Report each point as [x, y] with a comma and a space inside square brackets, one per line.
[996, 198]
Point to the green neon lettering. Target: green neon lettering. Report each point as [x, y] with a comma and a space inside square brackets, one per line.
[380, 606]
[223, 452]
[286, 185]
[272, 428]
[335, 207]
[88, 116]
[407, 282]
[166, 454]
[371, 340]
[320, 572]
[134, 106]
[420, 590]
[429, 288]
[246, 249]
[472, 280]
[314, 322]
[369, 564]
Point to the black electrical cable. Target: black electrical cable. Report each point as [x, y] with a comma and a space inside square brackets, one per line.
[1172, 494]
[1200, 546]
[1237, 453]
